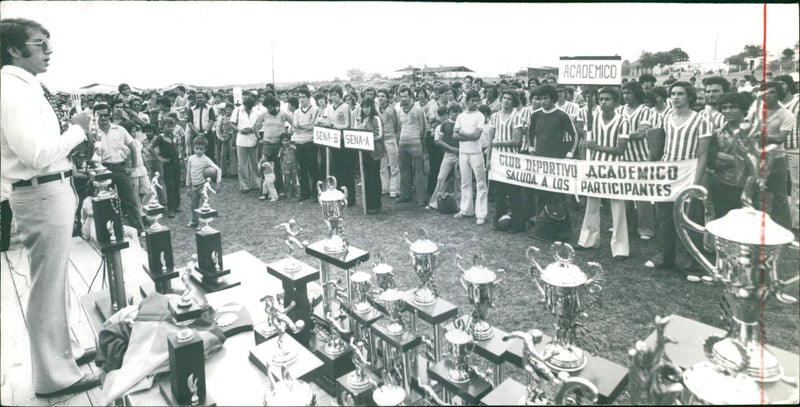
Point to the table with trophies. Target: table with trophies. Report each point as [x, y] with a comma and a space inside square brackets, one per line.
[360, 342]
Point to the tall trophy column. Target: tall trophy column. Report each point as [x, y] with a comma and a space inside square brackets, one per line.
[160, 265]
[210, 272]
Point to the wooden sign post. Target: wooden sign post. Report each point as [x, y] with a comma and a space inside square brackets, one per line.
[361, 140]
[328, 137]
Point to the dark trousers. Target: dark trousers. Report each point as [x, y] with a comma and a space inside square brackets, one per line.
[372, 182]
[435, 155]
[5, 225]
[270, 151]
[122, 181]
[172, 183]
[508, 198]
[196, 197]
[724, 198]
[669, 235]
[308, 169]
[344, 164]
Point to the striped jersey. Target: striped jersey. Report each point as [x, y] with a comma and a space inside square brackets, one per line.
[569, 108]
[582, 114]
[657, 118]
[791, 141]
[521, 120]
[637, 149]
[715, 118]
[503, 130]
[681, 141]
[608, 135]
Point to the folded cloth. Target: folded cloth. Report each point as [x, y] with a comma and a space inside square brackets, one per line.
[147, 353]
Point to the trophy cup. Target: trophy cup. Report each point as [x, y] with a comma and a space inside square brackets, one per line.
[563, 287]
[384, 278]
[479, 282]
[459, 345]
[360, 282]
[747, 244]
[424, 255]
[572, 390]
[390, 393]
[392, 300]
[333, 202]
[287, 391]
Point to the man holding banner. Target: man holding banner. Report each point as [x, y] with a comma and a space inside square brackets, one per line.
[610, 141]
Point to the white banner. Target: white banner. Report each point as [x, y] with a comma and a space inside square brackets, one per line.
[359, 139]
[237, 96]
[327, 137]
[590, 71]
[638, 181]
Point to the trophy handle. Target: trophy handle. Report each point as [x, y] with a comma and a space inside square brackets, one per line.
[783, 297]
[405, 236]
[463, 281]
[431, 395]
[536, 268]
[319, 188]
[478, 259]
[593, 284]
[557, 248]
[423, 233]
[682, 223]
[576, 391]
[344, 201]
[458, 263]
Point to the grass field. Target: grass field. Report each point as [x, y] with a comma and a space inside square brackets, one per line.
[632, 294]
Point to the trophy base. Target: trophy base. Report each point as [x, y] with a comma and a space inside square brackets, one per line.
[283, 358]
[564, 358]
[705, 384]
[482, 331]
[356, 382]
[332, 348]
[424, 296]
[389, 395]
[762, 367]
[394, 328]
[362, 307]
[334, 246]
[458, 375]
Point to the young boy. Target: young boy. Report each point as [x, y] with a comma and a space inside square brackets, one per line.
[268, 183]
[164, 148]
[443, 137]
[196, 166]
[287, 154]
[468, 130]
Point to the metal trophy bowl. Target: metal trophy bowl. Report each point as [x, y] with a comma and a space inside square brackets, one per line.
[287, 391]
[563, 287]
[333, 202]
[384, 278]
[424, 257]
[101, 178]
[747, 244]
[361, 285]
[479, 283]
[392, 299]
[459, 345]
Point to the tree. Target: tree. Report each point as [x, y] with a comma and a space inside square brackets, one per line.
[663, 58]
[355, 75]
[788, 55]
[647, 60]
[678, 55]
[753, 51]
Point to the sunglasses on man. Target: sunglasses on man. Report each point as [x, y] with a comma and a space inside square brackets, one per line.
[43, 44]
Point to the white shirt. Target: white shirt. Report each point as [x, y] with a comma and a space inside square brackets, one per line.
[31, 143]
[242, 120]
[469, 122]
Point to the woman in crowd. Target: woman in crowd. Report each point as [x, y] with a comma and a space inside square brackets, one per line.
[369, 120]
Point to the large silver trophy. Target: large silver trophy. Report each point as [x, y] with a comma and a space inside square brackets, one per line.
[747, 244]
[333, 202]
[384, 278]
[392, 299]
[424, 257]
[459, 346]
[479, 283]
[361, 283]
[564, 287]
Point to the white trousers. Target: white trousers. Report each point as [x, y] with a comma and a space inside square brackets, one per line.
[390, 168]
[449, 163]
[472, 163]
[590, 230]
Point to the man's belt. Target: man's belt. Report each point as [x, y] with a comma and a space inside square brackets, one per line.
[43, 179]
[122, 164]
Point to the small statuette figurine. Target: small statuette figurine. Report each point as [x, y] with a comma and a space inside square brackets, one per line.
[215, 259]
[153, 185]
[191, 382]
[653, 378]
[163, 262]
[204, 194]
[358, 378]
[186, 295]
[111, 236]
[292, 229]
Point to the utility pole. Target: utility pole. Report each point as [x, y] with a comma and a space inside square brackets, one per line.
[272, 54]
[716, 41]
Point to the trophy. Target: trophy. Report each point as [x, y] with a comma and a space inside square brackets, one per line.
[459, 345]
[479, 282]
[212, 273]
[292, 265]
[384, 278]
[153, 209]
[273, 309]
[335, 345]
[563, 286]
[573, 390]
[392, 300]
[358, 378]
[654, 379]
[284, 356]
[390, 393]
[106, 208]
[185, 349]
[287, 391]
[424, 254]
[360, 283]
[333, 202]
[747, 243]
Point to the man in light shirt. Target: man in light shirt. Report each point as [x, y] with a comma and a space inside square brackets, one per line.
[467, 130]
[303, 139]
[412, 129]
[33, 160]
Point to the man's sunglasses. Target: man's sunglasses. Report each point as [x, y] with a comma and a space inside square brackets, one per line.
[43, 44]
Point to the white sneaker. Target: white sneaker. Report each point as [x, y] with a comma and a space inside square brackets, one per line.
[645, 237]
[480, 221]
[458, 215]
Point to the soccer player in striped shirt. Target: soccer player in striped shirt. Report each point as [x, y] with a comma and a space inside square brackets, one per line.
[639, 118]
[687, 137]
[660, 107]
[609, 143]
[715, 86]
[564, 104]
[508, 197]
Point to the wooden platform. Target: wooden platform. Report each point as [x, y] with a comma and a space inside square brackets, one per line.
[16, 385]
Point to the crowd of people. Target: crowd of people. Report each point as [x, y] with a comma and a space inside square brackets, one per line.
[434, 139]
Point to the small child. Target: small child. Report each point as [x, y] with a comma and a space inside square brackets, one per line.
[268, 175]
[196, 165]
[288, 157]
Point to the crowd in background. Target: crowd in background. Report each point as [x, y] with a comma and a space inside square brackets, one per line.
[434, 139]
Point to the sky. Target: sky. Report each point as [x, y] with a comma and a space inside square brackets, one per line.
[155, 44]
